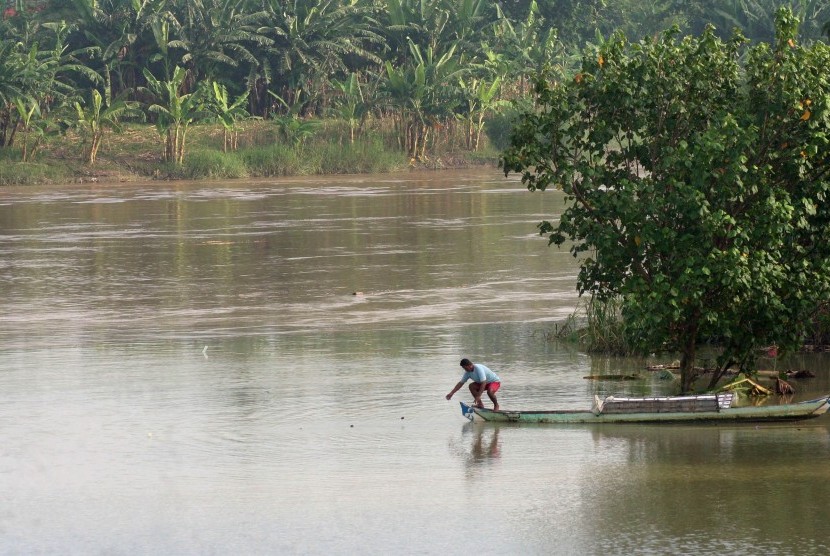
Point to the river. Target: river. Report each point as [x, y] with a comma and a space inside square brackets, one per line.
[259, 367]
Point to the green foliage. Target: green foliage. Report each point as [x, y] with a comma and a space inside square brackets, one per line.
[424, 64]
[605, 330]
[499, 126]
[30, 173]
[175, 111]
[366, 155]
[273, 160]
[351, 105]
[419, 94]
[97, 115]
[697, 187]
[206, 163]
[756, 18]
[227, 112]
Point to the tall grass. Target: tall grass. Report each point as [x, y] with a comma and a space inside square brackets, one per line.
[205, 163]
[605, 329]
[273, 160]
[366, 156]
[597, 326]
[31, 173]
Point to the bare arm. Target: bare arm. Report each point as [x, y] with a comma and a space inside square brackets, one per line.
[454, 390]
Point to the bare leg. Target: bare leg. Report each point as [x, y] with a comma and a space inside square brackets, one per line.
[493, 399]
[476, 390]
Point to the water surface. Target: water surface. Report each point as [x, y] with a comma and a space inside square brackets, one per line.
[259, 368]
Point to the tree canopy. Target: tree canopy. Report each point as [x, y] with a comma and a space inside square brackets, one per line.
[696, 175]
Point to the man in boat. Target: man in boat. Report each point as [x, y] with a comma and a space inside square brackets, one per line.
[484, 380]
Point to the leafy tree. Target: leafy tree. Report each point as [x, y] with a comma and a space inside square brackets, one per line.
[697, 188]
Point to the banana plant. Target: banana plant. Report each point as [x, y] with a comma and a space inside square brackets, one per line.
[30, 123]
[12, 69]
[481, 97]
[423, 95]
[100, 114]
[351, 105]
[160, 28]
[294, 129]
[227, 113]
[174, 111]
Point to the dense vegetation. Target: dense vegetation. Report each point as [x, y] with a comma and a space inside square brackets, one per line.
[698, 174]
[419, 74]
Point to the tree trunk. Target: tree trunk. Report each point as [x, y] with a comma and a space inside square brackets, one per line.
[478, 131]
[687, 358]
[93, 148]
[25, 145]
[180, 154]
[169, 145]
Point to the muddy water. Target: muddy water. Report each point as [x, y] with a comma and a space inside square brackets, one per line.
[259, 368]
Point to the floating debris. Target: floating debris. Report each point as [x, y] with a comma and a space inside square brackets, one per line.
[613, 377]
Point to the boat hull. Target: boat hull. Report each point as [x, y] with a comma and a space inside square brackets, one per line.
[750, 414]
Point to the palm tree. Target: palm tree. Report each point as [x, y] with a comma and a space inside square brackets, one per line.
[35, 81]
[417, 21]
[520, 49]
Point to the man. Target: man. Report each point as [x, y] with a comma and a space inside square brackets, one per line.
[484, 380]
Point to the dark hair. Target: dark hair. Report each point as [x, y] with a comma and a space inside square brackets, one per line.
[465, 362]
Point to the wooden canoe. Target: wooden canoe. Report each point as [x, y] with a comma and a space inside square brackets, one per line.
[688, 409]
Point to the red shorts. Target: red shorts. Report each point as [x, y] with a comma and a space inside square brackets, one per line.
[493, 387]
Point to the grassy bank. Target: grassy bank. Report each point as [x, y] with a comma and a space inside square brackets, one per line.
[263, 151]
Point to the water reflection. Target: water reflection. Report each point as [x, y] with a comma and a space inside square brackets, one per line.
[479, 444]
[666, 475]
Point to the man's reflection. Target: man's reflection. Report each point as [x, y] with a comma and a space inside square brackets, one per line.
[485, 442]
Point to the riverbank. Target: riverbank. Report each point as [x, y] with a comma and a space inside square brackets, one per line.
[263, 151]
